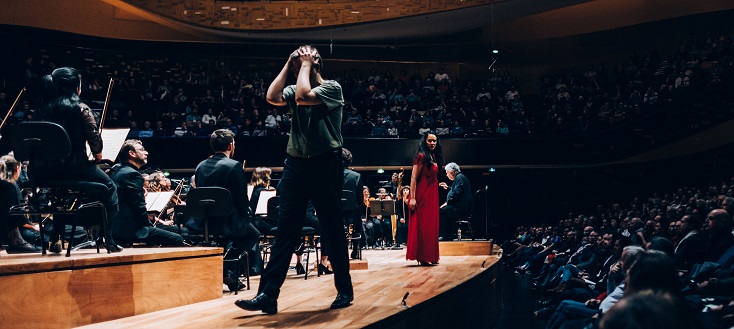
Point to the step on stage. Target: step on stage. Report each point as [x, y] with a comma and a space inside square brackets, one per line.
[181, 288]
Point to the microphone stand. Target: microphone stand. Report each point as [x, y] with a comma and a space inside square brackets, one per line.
[486, 203]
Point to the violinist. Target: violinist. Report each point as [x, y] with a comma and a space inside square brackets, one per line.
[132, 223]
[157, 182]
[61, 105]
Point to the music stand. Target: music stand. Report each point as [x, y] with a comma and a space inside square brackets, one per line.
[262, 202]
[386, 209]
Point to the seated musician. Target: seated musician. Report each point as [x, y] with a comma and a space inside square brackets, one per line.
[223, 171]
[368, 221]
[132, 222]
[401, 210]
[458, 202]
[10, 196]
[260, 181]
[384, 229]
[158, 182]
[61, 105]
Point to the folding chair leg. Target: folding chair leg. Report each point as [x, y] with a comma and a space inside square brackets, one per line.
[318, 260]
[308, 257]
[43, 243]
[71, 239]
[247, 269]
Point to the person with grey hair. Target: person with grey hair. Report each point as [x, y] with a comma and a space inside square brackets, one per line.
[578, 312]
[132, 222]
[458, 202]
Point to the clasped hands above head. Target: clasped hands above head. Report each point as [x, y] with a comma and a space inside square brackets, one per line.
[304, 54]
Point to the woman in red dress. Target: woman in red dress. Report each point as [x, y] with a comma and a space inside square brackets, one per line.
[423, 223]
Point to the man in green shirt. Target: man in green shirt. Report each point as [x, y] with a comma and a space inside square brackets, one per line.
[311, 171]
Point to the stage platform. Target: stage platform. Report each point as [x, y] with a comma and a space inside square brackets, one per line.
[62, 292]
[463, 291]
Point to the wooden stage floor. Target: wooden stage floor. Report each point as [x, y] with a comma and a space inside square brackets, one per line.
[379, 291]
[39, 291]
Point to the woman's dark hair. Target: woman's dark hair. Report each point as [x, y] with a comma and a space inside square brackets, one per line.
[437, 152]
[60, 101]
[60, 98]
[261, 176]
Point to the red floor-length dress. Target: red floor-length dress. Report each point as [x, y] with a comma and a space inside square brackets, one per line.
[423, 222]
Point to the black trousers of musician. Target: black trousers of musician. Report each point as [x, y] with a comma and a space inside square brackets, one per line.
[318, 178]
[372, 230]
[164, 235]
[402, 233]
[87, 172]
[448, 216]
[385, 230]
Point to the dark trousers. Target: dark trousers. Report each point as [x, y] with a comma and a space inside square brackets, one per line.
[92, 173]
[402, 233]
[318, 178]
[373, 230]
[164, 235]
[448, 215]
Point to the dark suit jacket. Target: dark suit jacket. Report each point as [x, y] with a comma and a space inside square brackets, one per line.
[132, 221]
[690, 250]
[221, 171]
[353, 182]
[460, 196]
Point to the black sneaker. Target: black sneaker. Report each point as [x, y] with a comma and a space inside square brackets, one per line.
[23, 248]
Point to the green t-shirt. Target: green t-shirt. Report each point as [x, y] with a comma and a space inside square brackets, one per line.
[315, 129]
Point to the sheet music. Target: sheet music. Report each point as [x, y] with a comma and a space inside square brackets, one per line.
[156, 201]
[262, 202]
[250, 188]
[112, 140]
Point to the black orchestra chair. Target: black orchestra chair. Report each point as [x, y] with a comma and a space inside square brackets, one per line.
[69, 201]
[308, 236]
[272, 218]
[348, 211]
[464, 223]
[212, 202]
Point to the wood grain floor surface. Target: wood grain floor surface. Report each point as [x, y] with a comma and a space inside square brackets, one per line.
[12, 264]
[305, 303]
